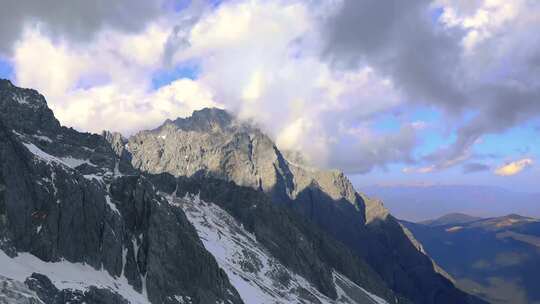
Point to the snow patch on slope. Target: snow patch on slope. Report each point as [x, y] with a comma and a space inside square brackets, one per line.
[75, 162]
[12, 291]
[21, 99]
[67, 275]
[42, 154]
[66, 161]
[349, 292]
[111, 204]
[95, 177]
[42, 138]
[258, 277]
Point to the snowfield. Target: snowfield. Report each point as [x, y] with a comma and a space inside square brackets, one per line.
[69, 162]
[256, 275]
[66, 275]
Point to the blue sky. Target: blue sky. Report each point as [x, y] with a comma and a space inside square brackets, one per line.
[493, 149]
[166, 76]
[6, 69]
[441, 96]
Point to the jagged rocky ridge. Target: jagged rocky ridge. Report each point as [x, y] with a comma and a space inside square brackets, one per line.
[79, 224]
[63, 200]
[213, 143]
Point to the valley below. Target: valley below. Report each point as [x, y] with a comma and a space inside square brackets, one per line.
[497, 259]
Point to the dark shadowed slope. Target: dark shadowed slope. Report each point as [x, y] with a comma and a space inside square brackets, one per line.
[78, 224]
[68, 212]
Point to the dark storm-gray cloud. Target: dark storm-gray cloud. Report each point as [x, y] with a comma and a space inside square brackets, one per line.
[178, 38]
[73, 19]
[399, 39]
[426, 61]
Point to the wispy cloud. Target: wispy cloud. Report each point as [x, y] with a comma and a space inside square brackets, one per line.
[421, 170]
[475, 167]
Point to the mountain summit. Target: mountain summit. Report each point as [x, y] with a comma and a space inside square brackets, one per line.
[214, 144]
[204, 209]
[207, 119]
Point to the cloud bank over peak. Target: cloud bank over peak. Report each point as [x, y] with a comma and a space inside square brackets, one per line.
[340, 80]
[106, 85]
[262, 60]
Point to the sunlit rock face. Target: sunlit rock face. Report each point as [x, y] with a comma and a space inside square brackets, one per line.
[214, 143]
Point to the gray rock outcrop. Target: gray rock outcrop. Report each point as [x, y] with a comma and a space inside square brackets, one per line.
[213, 143]
[65, 197]
[80, 198]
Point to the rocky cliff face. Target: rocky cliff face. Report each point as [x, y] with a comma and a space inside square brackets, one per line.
[213, 143]
[255, 249]
[291, 239]
[80, 224]
[65, 203]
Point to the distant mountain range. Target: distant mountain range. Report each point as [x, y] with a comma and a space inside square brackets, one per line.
[451, 219]
[497, 258]
[418, 203]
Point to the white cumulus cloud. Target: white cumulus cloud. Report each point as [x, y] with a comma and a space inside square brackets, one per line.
[106, 84]
[315, 75]
[262, 60]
